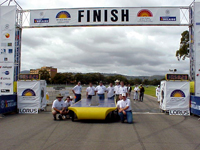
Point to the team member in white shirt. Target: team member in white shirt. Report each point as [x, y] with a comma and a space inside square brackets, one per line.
[136, 91]
[116, 90]
[77, 91]
[118, 102]
[90, 91]
[125, 109]
[123, 88]
[58, 107]
[100, 90]
[68, 103]
[110, 91]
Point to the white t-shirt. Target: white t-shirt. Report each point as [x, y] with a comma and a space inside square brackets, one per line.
[137, 89]
[90, 90]
[116, 89]
[122, 89]
[118, 103]
[67, 104]
[110, 91]
[125, 103]
[58, 104]
[100, 89]
[77, 89]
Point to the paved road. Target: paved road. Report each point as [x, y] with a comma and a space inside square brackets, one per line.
[151, 130]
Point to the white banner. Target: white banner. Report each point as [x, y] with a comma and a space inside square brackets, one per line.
[31, 94]
[175, 95]
[6, 78]
[7, 41]
[104, 16]
[196, 24]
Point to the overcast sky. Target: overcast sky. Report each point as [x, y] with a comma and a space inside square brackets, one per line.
[125, 50]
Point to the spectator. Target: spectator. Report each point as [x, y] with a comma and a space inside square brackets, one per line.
[142, 90]
[77, 92]
[136, 90]
[129, 89]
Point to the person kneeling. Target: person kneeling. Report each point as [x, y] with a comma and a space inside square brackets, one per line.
[58, 107]
[125, 109]
[68, 103]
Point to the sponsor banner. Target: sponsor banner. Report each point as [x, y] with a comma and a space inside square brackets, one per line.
[180, 112]
[104, 16]
[31, 94]
[17, 54]
[196, 17]
[195, 105]
[28, 110]
[175, 95]
[7, 41]
[6, 78]
[8, 103]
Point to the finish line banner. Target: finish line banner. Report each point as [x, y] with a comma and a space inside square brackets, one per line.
[104, 16]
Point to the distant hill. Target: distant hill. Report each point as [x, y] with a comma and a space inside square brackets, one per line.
[158, 77]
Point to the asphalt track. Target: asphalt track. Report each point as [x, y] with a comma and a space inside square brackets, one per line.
[151, 130]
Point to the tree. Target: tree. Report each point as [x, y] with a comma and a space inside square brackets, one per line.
[44, 75]
[184, 45]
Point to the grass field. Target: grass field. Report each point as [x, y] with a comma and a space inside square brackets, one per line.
[150, 90]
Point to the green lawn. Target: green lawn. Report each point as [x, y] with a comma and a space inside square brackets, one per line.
[150, 90]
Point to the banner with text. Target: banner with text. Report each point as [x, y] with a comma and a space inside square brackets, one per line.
[196, 24]
[104, 16]
[7, 40]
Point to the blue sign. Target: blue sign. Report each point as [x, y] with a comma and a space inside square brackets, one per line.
[195, 105]
[165, 18]
[8, 103]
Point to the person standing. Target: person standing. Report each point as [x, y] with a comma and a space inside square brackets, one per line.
[142, 90]
[158, 93]
[77, 92]
[125, 109]
[100, 90]
[58, 107]
[110, 91]
[123, 89]
[136, 90]
[90, 91]
[129, 89]
[116, 90]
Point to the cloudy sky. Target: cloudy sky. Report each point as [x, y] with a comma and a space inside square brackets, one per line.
[136, 50]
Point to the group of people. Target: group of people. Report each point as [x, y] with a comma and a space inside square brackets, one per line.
[120, 92]
[61, 107]
[112, 91]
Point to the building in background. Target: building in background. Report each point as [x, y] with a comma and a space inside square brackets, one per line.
[52, 71]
